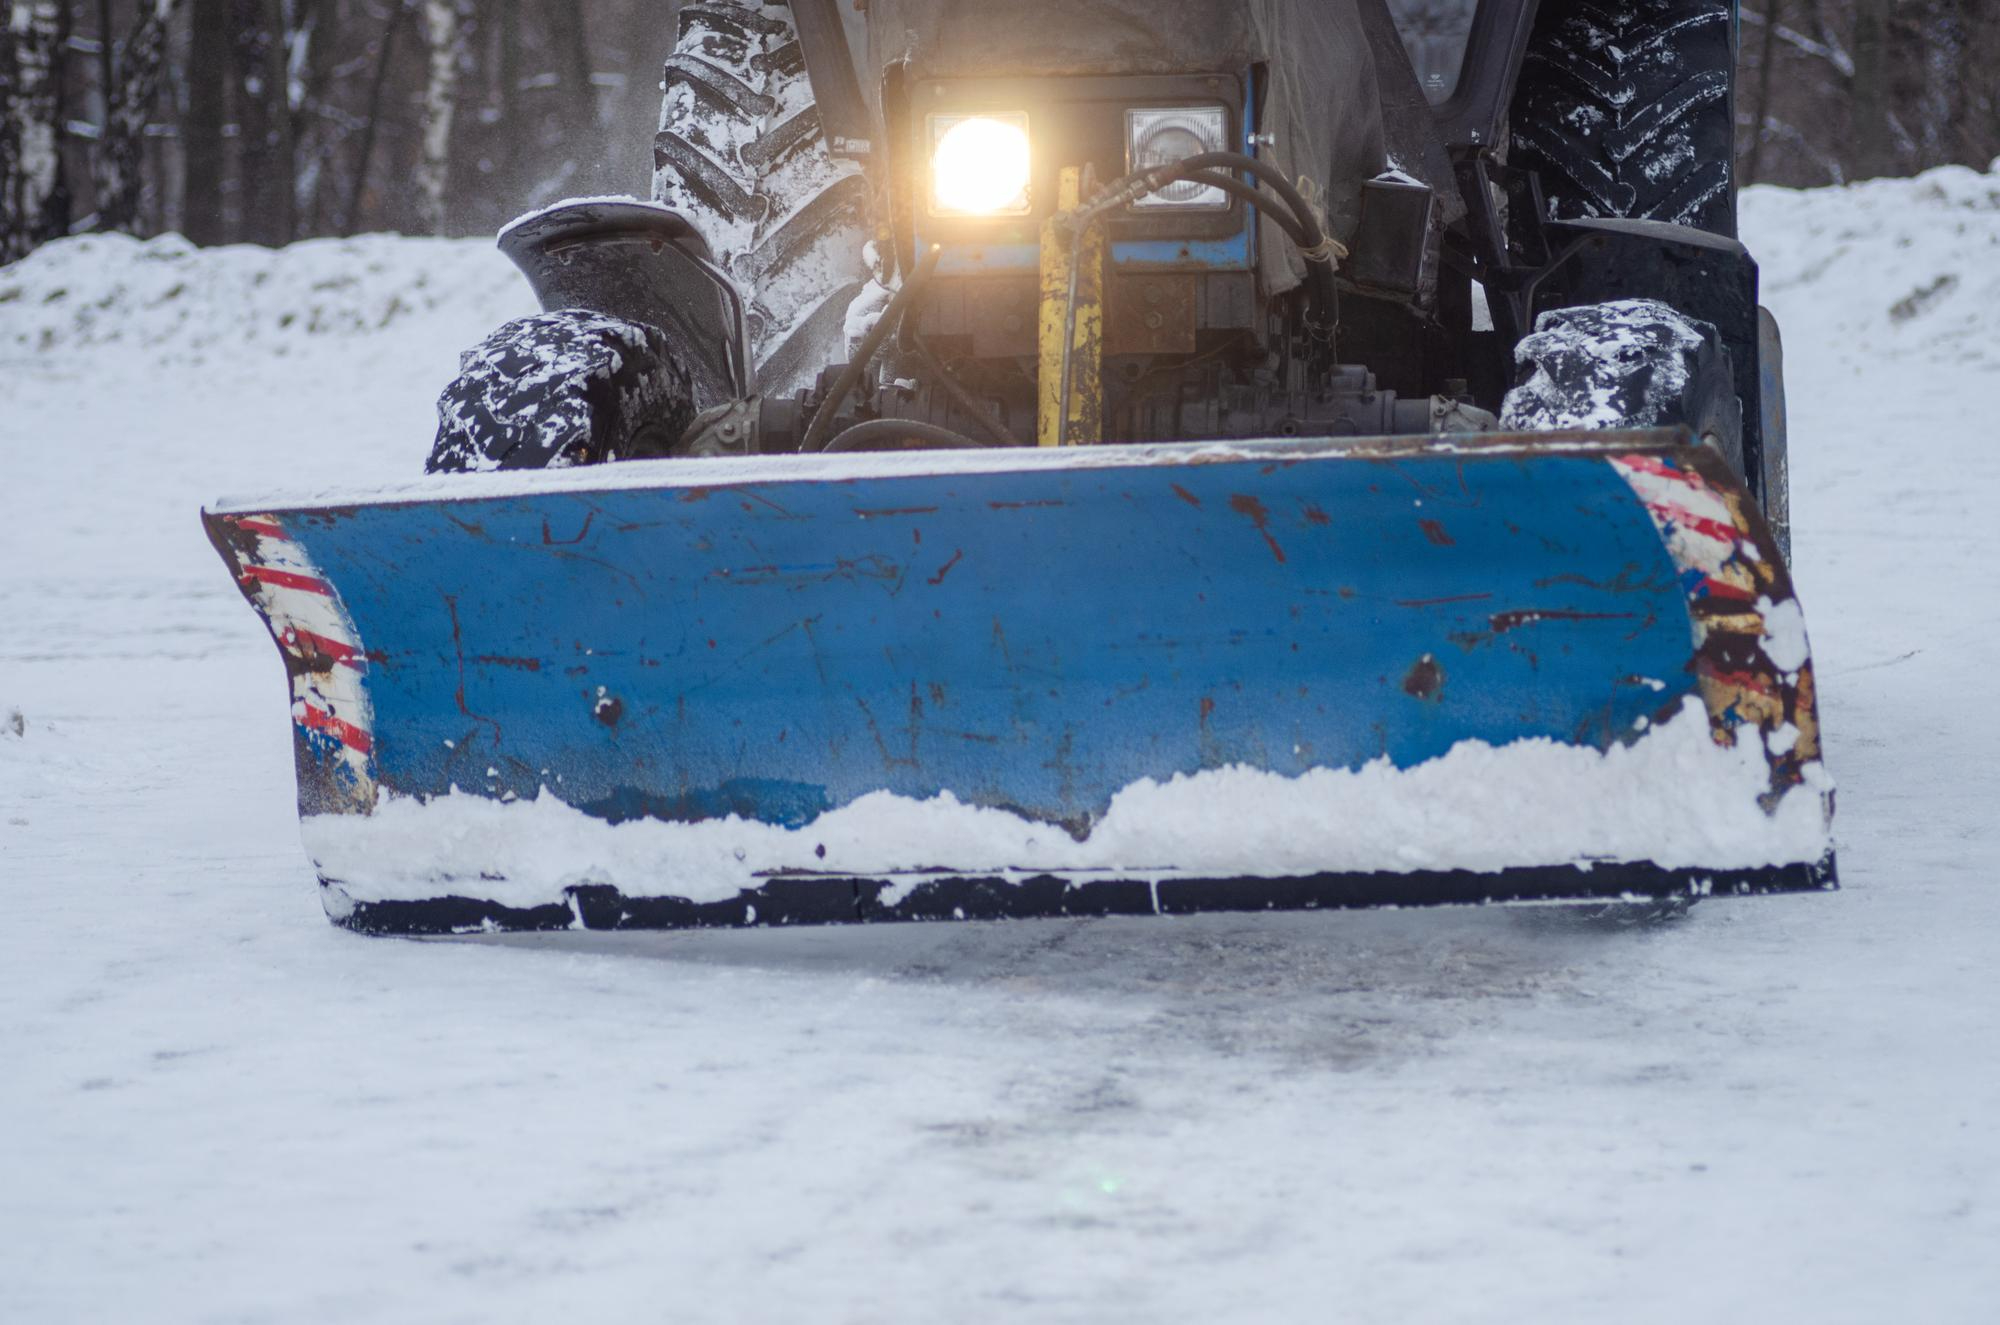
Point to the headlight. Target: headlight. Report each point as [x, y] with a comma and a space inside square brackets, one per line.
[1160, 137]
[979, 165]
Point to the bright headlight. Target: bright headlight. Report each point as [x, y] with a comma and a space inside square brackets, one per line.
[979, 165]
[1160, 137]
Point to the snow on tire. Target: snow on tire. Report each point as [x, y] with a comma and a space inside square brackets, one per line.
[1625, 108]
[741, 154]
[569, 387]
[1629, 363]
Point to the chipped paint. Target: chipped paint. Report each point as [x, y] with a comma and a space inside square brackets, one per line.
[1259, 515]
[1424, 679]
[325, 663]
[1750, 650]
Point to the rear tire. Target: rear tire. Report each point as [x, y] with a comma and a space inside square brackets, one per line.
[1630, 363]
[570, 387]
[741, 154]
[1626, 108]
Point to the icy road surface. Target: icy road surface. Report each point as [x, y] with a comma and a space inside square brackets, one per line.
[219, 1108]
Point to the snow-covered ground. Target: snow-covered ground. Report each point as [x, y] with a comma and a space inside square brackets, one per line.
[218, 1107]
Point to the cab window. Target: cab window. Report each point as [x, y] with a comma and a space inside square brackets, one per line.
[1435, 33]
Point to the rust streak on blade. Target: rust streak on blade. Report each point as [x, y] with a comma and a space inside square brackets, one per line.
[1502, 622]
[1450, 598]
[549, 539]
[1259, 515]
[945, 569]
[502, 660]
[458, 649]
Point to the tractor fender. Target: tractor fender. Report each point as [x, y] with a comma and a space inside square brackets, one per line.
[1709, 277]
[639, 261]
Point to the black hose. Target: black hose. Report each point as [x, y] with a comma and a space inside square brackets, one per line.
[1152, 179]
[1236, 188]
[860, 435]
[850, 374]
[1264, 171]
[1323, 298]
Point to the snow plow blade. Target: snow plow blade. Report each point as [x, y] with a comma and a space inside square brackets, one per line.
[1157, 679]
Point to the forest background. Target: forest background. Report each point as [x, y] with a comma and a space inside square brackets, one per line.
[265, 121]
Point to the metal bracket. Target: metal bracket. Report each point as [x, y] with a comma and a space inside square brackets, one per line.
[1071, 371]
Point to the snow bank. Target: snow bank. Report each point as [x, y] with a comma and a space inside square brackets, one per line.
[1674, 797]
[1885, 269]
[164, 301]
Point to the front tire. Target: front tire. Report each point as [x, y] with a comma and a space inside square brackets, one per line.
[570, 387]
[1629, 363]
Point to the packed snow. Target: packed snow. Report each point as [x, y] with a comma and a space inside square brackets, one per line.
[1673, 797]
[224, 1109]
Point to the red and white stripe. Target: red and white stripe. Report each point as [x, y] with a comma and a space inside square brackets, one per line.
[1694, 518]
[306, 617]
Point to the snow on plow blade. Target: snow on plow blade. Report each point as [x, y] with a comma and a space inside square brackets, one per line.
[1081, 681]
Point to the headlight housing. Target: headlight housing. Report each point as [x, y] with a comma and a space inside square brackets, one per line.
[1160, 137]
[979, 164]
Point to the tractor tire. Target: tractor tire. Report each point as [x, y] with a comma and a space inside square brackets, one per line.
[1626, 108]
[741, 155]
[1631, 363]
[570, 387]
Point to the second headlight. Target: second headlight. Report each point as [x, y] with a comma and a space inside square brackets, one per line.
[1160, 137]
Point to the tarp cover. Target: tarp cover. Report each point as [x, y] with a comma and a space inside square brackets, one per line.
[1321, 106]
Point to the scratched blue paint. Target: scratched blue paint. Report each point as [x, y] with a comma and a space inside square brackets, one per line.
[1232, 254]
[1033, 639]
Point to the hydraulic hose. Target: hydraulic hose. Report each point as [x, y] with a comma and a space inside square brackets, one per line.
[850, 375]
[1304, 229]
[859, 437]
[1132, 187]
[1236, 188]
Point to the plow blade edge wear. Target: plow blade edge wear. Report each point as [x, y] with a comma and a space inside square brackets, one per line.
[1025, 682]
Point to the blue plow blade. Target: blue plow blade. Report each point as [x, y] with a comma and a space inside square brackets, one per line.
[734, 654]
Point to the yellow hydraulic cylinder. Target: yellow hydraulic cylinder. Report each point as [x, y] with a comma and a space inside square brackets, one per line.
[1071, 339]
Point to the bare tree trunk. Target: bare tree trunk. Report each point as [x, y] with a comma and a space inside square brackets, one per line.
[262, 114]
[508, 76]
[250, 40]
[1774, 14]
[297, 68]
[1873, 152]
[384, 56]
[1955, 20]
[205, 161]
[320, 124]
[117, 163]
[10, 132]
[12, 109]
[445, 30]
[34, 196]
